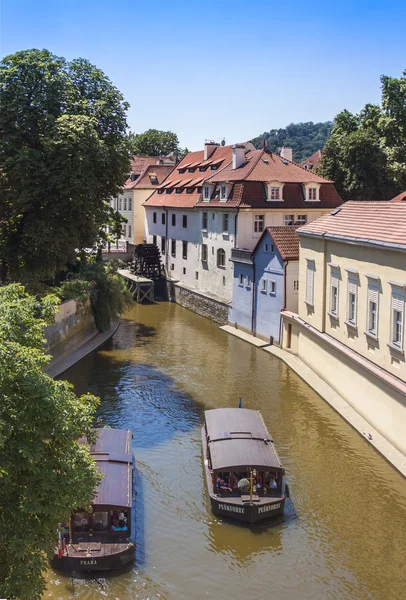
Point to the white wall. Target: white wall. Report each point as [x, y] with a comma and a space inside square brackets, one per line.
[292, 294]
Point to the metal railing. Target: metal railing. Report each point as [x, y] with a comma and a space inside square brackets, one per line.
[241, 255]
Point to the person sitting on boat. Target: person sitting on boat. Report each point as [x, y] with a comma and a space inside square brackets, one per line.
[272, 483]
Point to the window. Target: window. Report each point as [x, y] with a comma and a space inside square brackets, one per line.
[296, 285]
[153, 178]
[197, 274]
[163, 245]
[173, 220]
[289, 219]
[123, 230]
[223, 192]
[248, 282]
[352, 301]
[204, 221]
[206, 193]
[120, 204]
[301, 219]
[129, 231]
[334, 292]
[192, 170]
[172, 267]
[100, 520]
[184, 270]
[130, 204]
[225, 223]
[184, 221]
[204, 252]
[199, 189]
[163, 218]
[202, 169]
[263, 285]
[173, 248]
[310, 282]
[168, 190]
[178, 191]
[266, 247]
[160, 191]
[398, 301]
[241, 279]
[154, 239]
[258, 223]
[312, 193]
[125, 202]
[214, 167]
[189, 190]
[154, 217]
[221, 258]
[272, 290]
[184, 250]
[372, 313]
[275, 193]
[224, 280]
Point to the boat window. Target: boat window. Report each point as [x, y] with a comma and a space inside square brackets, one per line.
[101, 521]
[119, 520]
[80, 522]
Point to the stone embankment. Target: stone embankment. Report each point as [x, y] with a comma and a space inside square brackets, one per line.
[73, 335]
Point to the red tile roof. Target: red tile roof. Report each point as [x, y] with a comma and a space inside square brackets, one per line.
[313, 160]
[378, 223]
[400, 198]
[286, 240]
[261, 165]
[144, 179]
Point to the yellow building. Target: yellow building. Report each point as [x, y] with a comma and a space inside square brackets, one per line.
[350, 323]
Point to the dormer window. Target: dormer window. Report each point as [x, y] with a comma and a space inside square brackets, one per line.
[214, 167]
[189, 190]
[182, 170]
[206, 193]
[275, 191]
[223, 192]
[312, 192]
[192, 170]
[168, 190]
[202, 169]
[160, 191]
[178, 190]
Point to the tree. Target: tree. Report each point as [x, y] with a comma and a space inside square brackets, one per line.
[365, 154]
[154, 143]
[44, 472]
[62, 158]
[303, 138]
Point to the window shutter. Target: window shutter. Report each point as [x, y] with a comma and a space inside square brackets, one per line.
[309, 283]
[398, 301]
[352, 287]
[372, 294]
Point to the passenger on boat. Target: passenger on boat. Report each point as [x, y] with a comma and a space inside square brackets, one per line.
[272, 483]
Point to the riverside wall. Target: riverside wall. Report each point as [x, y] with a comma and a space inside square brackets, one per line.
[201, 304]
[74, 326]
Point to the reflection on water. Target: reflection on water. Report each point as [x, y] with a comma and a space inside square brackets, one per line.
[163, 367]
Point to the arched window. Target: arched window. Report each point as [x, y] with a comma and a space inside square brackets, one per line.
[221, 258]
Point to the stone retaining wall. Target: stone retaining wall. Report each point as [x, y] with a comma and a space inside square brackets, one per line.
[74, 325]
[197, 302]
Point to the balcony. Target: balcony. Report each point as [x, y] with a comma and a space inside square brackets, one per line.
[241, 255]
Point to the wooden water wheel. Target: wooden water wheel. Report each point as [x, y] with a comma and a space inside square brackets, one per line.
[147, 262]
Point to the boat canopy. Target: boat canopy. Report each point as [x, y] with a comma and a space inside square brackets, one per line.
[238, 438]
[112, 453]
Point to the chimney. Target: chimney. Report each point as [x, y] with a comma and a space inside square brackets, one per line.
[209, 148]
[286, 153]
[238, 155]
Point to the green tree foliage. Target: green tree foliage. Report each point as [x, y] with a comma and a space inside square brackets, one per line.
[107, 290]
[62, 157]
[303, 138]
[366, 152]
[154, 143]
[44, 472]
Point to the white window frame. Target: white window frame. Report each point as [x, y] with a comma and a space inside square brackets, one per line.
[275, 192]
[352, 290]
[259, 223]
[248, 281]
[206, 193]
[205, 220]
[334, 292]
[221, 258]
[301, 219]
[310, 270]
[314, 195]
[204, 252]
[272, 290]
[289, 220]
[241, 279]
[125, 203]
[223, 192]
[225, 222]
[372, 298]
[264, 285]
[397, 308]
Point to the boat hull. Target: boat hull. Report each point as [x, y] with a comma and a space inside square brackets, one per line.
[110, 557]
[247, 513]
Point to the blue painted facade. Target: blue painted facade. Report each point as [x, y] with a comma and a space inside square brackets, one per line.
[266, 269]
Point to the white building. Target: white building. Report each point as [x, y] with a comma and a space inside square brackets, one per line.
[221, 199]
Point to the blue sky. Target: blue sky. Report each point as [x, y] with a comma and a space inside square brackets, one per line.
[214, 69]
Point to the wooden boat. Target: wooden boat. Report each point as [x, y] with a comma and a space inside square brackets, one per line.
[104, 538]
[245, 477]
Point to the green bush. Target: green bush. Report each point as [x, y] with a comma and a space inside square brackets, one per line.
[77, 289]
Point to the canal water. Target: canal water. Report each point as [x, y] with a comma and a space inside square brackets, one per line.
[156, 376]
